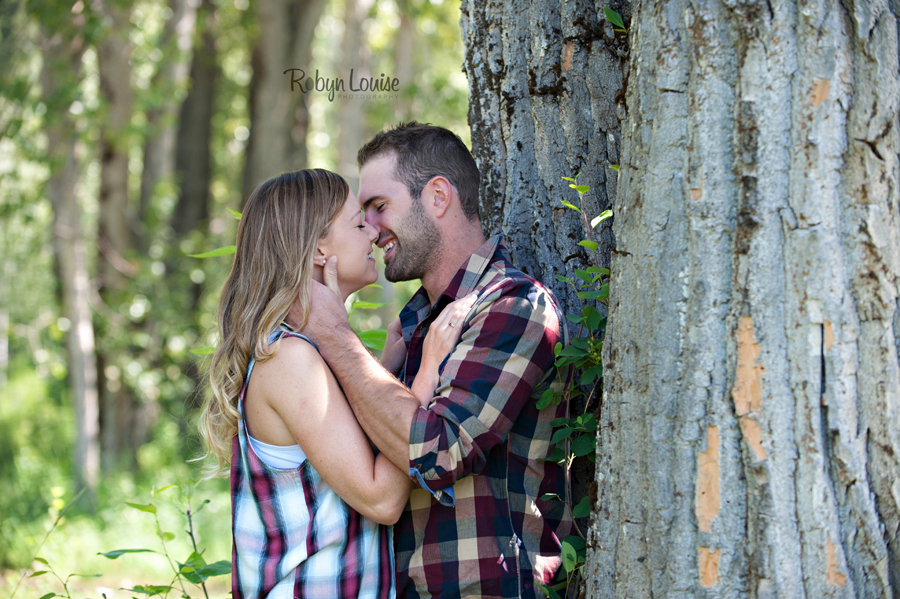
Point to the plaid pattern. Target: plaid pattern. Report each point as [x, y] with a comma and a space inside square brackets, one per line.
[293, 535]
[482, 434]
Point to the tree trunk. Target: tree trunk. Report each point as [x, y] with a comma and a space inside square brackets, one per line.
[114, 234]
[193, 153]
[749, 439]
[62, 59]
[543, 79]
[160, 144]
[351, 124]
[277, 140]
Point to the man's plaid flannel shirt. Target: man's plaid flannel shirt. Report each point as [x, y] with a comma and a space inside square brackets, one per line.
[478, 526]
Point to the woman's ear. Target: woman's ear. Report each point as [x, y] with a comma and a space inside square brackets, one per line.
[319, 256]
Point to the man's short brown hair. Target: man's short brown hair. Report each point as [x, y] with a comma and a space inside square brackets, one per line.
[424, 151]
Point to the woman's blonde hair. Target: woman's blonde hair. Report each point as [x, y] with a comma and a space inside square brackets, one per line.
[281, 225]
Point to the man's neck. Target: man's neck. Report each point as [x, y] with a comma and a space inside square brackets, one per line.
[456, 248]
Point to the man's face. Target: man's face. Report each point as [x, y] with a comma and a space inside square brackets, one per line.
[409, 239]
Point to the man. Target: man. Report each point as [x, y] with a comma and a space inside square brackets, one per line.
[476, 526]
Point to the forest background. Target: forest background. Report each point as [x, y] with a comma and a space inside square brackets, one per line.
[129, 132]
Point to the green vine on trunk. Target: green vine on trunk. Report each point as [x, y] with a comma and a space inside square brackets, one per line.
[576, 436]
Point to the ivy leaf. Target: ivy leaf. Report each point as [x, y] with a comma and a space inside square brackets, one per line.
[583, 509]
[571, 205]
[563, 433]
[222, 251]
[569, 556]
[600, 218]
[591, 245]
[584, 445]
[546, 399]
[614, 17]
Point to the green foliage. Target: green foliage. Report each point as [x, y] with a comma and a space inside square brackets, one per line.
[194, 570]
[576, 436]
[616, 19]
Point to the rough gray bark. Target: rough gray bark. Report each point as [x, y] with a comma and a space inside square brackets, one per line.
[749, 441]
[277, 140]
[543, 78]
[62, 58]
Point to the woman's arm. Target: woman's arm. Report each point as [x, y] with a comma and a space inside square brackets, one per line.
[297, 385]
[443, 334]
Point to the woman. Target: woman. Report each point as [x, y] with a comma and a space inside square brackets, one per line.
[311, 500]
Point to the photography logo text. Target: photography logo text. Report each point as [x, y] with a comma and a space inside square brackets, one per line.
[353, 88]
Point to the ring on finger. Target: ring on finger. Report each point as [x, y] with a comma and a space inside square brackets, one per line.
[451, 325]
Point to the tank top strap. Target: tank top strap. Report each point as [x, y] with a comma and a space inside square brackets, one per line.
[286, 332]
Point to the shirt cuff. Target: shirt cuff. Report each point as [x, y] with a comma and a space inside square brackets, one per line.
[444, 496]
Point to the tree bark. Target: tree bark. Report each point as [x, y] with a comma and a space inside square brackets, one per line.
[749, 439]
[62, 59]
[543, 80]
[277, 140]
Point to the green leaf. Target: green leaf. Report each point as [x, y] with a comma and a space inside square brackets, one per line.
[38, 573]
[48, 595]
[583, 275]
[549, 496]
[166, 488]
[576, 542]
[557, 455]
[601, 217]
[571, 350]
[582, 189]
[591, 317]
[546, 399]
[168, 536]
[583, 509]
[219, 568]
[574, 318]
[614, 17]
[588, 422]
[571, 205]
[584, 445]
[557, 348]
[120, 552]
[363, 305]
[375, 285]
[149, 508]
[373, 339]
[592, 373]
[563, 279]
[568, 179]
[41, 560]
[591, 245]
[222, 251]
[597, 271]
[204, 351]
[560, 421]
[614, 167]
[150, 589]
[569, 556]
[83, 576]
[236, 214]
[563, 433]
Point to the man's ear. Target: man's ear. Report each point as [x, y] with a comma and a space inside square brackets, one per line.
[441, 194]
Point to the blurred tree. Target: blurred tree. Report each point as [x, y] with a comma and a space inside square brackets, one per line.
[278, 118]
[63, 45]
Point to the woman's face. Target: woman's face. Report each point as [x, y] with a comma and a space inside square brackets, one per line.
[350, 239]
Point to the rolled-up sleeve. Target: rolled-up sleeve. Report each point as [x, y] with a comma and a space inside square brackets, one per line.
[504, 355]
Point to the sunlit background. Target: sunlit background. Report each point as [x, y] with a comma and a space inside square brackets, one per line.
[162, 306]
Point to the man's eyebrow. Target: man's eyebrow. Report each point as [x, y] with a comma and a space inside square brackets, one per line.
[365, 205]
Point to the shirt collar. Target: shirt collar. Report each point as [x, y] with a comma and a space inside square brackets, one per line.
[464, 281]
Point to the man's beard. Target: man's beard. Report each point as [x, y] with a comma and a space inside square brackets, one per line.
[417, 248]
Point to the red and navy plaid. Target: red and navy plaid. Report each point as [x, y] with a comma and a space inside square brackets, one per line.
[478, 527]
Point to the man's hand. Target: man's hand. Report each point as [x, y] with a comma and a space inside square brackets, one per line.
[327, 315]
